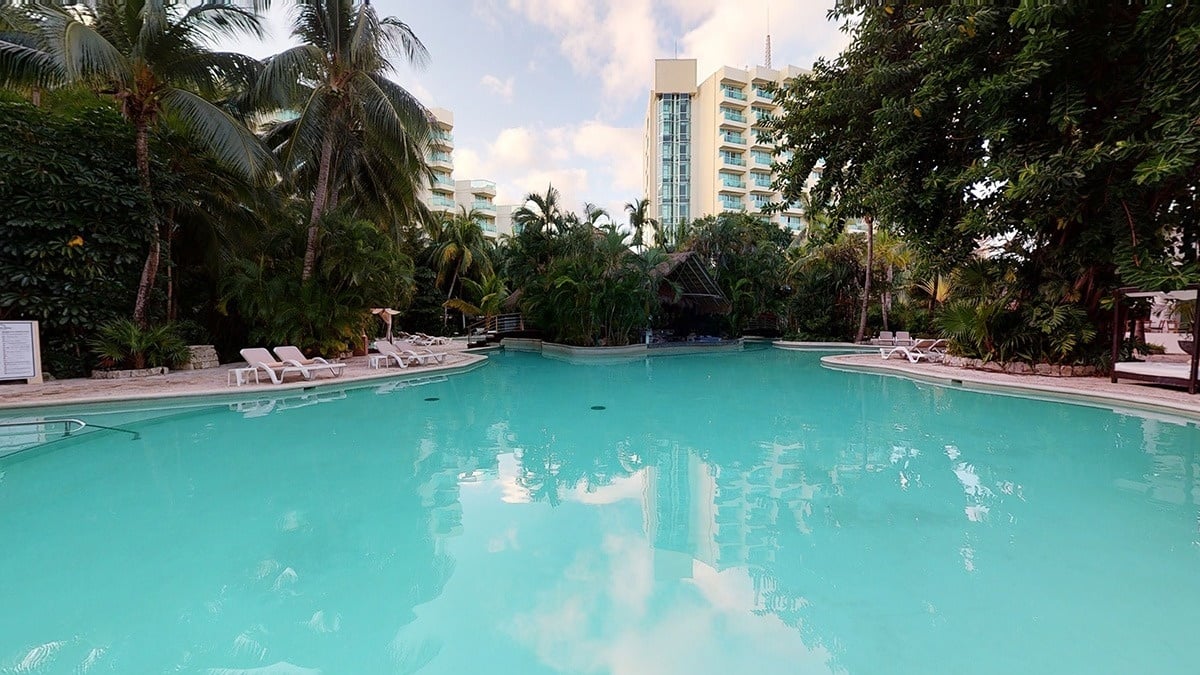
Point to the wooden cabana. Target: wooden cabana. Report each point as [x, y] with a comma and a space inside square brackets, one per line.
[683, 283]
[1173, 374]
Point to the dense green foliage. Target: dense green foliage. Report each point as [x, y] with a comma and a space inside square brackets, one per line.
[1063, 133]
[73, 219]
[581, 285]
[747, 258]
[360, 267]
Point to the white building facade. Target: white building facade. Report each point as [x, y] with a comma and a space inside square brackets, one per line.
[702, 153]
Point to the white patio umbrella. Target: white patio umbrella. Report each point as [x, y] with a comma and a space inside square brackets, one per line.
[386, 313]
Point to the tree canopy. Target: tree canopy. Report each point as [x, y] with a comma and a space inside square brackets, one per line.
[1063, 134]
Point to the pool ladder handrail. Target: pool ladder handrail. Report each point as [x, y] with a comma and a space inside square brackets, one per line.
[67, 431]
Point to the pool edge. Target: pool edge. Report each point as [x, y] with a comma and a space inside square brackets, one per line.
[219, 395]
[974, 381]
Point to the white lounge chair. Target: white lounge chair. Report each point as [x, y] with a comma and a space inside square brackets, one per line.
[406, 357]
[426, 340]
[310, 367]
[934, 348]
[913, 352]
[903, 339]
[388, 353]
[260, 358]
[885, 338]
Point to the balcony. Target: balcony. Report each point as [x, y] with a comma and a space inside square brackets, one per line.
[731, 182]
[442, 180]
[438, 202]
[733, 160]
[733, 116]
[760, 203]
[443, 139]
[761, 92]
[762, 184]
[761, 158]
[731, 203]
[482, 187]
[483, 205]
[440, 158]
[735, 139]
[733, 93]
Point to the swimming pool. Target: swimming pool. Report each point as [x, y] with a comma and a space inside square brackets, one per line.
[748, 512]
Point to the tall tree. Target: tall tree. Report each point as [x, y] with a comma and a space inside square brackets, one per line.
[1062, 131]
[458, 249]
[355, 126]
[541, 213]
[639, 220]
[151, 56]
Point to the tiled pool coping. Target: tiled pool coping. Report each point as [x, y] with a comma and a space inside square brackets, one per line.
[1093, 391]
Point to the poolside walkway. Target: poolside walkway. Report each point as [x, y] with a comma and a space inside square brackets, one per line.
[1091, 390]
[212, 381]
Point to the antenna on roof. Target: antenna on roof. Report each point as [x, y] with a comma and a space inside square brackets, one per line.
[768, 49]
[676, 47]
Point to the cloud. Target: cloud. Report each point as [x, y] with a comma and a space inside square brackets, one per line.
[615, 40]
[501, 88]
[734, 33]
[527, 159]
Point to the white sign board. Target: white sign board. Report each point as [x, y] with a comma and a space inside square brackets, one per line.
[20, 354]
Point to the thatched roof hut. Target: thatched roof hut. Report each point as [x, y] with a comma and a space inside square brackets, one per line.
[683, 282]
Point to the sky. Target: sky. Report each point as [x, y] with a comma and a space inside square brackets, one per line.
[555, 91]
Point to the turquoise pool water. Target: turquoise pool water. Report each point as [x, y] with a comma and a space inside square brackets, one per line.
[747, 512]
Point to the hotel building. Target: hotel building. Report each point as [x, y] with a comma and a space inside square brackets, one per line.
[446, 195]
[702, 152]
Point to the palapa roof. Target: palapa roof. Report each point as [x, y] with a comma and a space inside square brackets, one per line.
[683, 281]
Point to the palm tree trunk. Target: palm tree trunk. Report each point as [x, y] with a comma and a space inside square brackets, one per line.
[866, 297]
[168, 241]
[449, 295]
[885, 300]
[150, 268]
[320, 197]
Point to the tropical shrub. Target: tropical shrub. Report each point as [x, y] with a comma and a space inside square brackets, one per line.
[122, 343]
[995, 316]
[826, 282]
[594, 291]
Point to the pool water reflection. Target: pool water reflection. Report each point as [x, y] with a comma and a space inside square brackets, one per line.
[702, 514]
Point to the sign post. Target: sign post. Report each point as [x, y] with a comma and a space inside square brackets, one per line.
[20, 351]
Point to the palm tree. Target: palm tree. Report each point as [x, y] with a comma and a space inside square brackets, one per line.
[895, 255]
[149, 55]
[458, 249]
[544, 216]
[490, 295]
[639, 219]
[592, 214]
[869, 220]
[356, 128]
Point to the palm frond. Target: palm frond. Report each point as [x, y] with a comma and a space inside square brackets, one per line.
[79, 51]
[229, 140]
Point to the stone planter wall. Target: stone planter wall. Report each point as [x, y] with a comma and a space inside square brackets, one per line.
[124, 374]
[1021, 368]
[200, 357]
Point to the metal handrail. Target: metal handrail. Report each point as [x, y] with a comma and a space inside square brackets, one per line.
[66, 421]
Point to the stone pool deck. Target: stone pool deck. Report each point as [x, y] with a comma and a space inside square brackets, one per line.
[1096, 391]
[213, 381]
